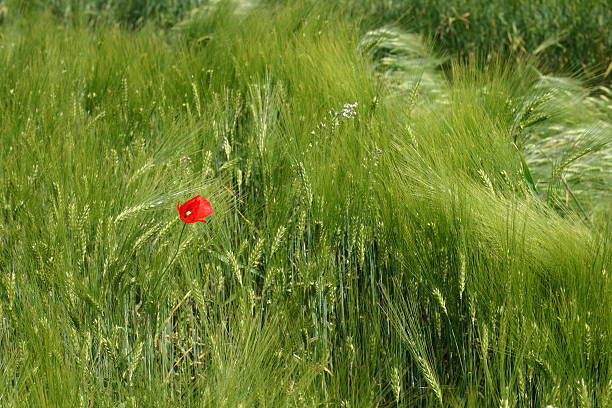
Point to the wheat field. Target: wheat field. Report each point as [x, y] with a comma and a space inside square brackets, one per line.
[393, 226]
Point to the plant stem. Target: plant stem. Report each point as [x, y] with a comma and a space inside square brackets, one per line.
[178, 246]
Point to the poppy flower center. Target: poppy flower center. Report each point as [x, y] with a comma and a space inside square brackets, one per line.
[188, 213]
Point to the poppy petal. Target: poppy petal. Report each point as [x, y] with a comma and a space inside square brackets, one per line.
[194, 210]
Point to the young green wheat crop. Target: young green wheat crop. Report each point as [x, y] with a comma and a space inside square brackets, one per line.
[391, 228]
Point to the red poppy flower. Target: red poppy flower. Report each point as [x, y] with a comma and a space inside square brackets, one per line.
[194, 210]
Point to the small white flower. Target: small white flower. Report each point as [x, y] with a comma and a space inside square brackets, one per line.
[349, 110]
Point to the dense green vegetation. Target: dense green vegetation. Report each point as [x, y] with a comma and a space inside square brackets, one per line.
[564, 35]
[392, 228]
